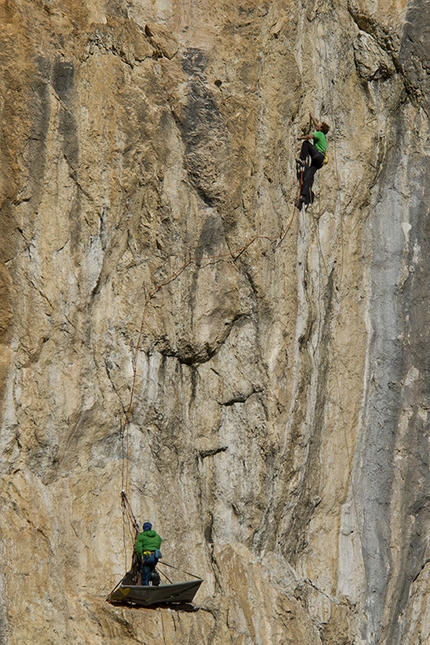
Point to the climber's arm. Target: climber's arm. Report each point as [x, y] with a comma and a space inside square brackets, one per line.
[315, 121]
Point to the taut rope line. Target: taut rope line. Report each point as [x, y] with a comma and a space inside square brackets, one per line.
[230, 255]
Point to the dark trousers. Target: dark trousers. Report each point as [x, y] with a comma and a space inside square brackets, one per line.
[317, 161]
[149, 563]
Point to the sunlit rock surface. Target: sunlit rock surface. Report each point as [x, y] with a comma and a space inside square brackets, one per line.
[256, 379]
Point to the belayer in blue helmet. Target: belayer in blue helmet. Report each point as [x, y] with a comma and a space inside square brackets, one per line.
[148, 550]
[317, 153]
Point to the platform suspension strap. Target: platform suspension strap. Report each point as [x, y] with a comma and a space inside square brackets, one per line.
[178, 569]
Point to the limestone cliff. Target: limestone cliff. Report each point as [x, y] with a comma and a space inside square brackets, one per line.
[255, 378]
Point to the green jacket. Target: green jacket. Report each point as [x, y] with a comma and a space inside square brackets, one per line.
[147, 541]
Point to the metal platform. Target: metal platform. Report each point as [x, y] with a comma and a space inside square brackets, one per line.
[163, 594]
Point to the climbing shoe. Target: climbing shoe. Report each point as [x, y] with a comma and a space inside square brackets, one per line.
[300, 162]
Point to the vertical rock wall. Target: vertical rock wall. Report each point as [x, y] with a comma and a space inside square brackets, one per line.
[271, 364]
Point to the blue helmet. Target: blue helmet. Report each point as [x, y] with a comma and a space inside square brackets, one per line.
[147, 526]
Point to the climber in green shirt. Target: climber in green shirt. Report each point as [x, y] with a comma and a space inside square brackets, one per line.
[317, 152]
[320, 142]
[148, 550]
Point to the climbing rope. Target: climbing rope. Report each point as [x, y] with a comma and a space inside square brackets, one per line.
[211, 259]
[233, 256]
[325, 64]
[127, 507]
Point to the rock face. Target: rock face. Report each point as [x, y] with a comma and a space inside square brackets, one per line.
[255, 378]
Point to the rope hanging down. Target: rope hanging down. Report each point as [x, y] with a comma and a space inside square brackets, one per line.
[127, 507]
[230, 255]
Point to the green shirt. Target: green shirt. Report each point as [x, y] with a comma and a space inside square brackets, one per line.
[320, 142]
[147, 541]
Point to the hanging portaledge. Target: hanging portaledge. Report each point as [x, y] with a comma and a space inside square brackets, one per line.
[128, 592]
[158, 593]
[164, 594]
